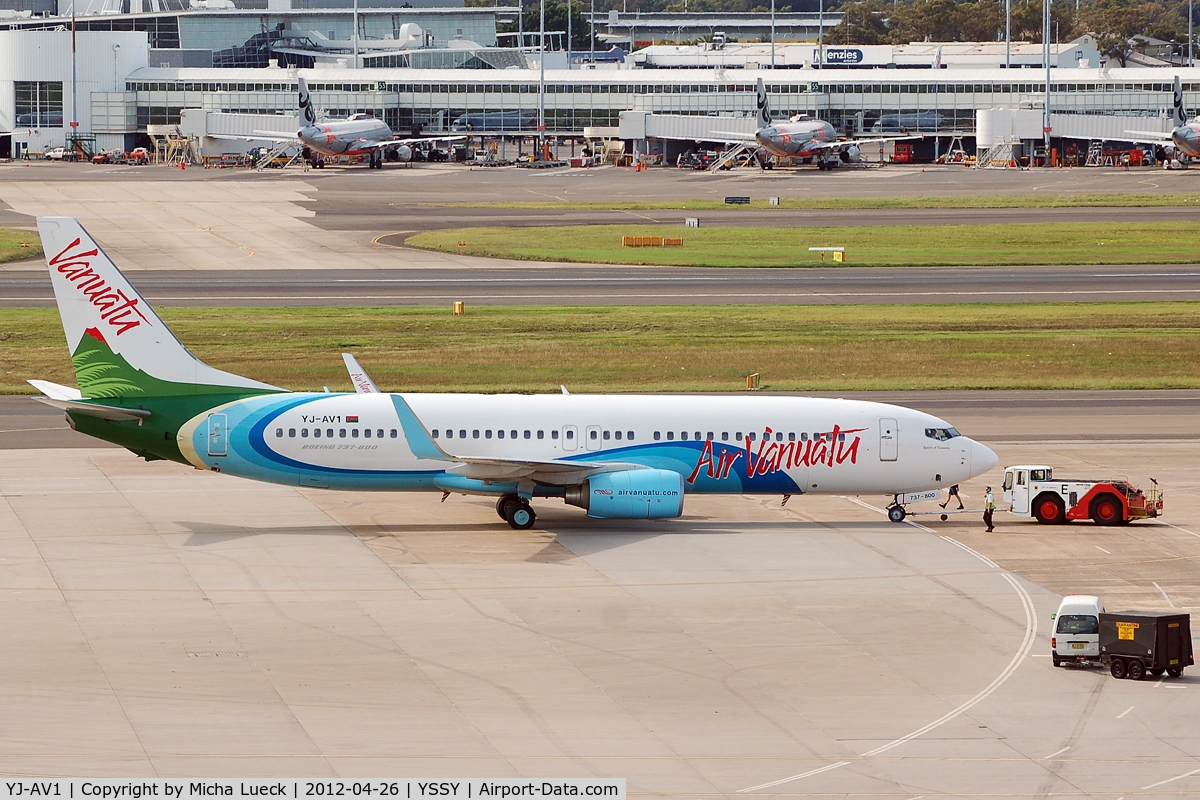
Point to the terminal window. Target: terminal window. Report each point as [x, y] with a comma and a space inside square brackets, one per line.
[39, 104]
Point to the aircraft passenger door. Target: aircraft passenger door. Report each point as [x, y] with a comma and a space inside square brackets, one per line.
[570, 437]
[218, 439]
[592, 442]
[887, 440]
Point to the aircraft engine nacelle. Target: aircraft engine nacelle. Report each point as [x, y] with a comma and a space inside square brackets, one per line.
[630, 494]
[401, 153]
[852, 155]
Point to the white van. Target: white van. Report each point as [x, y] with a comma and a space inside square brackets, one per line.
[1075, 635]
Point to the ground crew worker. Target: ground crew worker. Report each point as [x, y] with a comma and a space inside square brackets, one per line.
[989, 505]
[953, 495]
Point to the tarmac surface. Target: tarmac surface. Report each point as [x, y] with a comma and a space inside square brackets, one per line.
[242, 238]
[160, 621]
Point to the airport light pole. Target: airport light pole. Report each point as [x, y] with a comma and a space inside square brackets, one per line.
[356, 34]
[772, 33]
[542, 84]
[1046, 5]
[1190, 38]
[1008, 34]
[568, 34]
[592, 27]
[821, 35]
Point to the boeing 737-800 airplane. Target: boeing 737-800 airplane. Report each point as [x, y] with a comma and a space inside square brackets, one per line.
[1182, 143]
[615, 456]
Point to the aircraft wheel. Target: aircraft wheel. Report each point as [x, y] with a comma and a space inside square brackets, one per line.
[521, 517]
[502, 504]
[897, 513]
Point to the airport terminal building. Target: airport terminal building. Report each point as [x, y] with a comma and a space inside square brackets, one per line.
[121, 92]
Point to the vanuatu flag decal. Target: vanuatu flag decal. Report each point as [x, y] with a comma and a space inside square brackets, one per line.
[352, 419]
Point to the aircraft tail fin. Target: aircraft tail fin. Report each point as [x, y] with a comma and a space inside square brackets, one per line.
[1179, 116]
[764, 106]
[308, 114]
[119, 346]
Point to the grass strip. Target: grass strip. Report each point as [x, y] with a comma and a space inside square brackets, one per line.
[18, 245]
[670, 348]
[866, 246]
[865, 203]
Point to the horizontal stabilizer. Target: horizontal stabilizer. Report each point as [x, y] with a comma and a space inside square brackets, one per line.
[91, 410]
[56, 391]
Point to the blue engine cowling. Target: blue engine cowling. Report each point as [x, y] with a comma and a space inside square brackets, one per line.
[630, 494]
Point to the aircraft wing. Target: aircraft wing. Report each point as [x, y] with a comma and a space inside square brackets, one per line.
[1145, 137]
[559, 472]
[840, 143]
[257, 136]
[417, 140]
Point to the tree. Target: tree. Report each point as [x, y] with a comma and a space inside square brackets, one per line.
[1113, 22]
[862, 23]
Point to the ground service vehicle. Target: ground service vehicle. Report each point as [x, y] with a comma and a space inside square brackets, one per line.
[1076, 636]
[55, 154]
[1133, 643]
[1033, 491]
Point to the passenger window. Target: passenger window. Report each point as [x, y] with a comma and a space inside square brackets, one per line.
[500, 434]
[475, 434]
[379, 433]
[541, 434]
[354, 433]
[657, 436]
[682, 436]
[461, 434]
[779, 436]
[841, 437]
[434, 432]
[291, 433]
[593, 434]
[710, 436]
[316, 433]
[738, 436]
[553, 434]
[697, 436]
[304, 433]
[528, 434]
[629, 436]
[752, 436]
[342, 433]
[394, 433]
[449, 433]
[487, 434]
[367, 433]
[791, 437]
[513, 435]
[804, 437]
[279, 433]
[605, 435]
[724, 436]
[570, 434]
[670, 436]
[618, 435]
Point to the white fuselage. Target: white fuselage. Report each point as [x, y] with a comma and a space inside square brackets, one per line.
[345, 137]
[756, 445]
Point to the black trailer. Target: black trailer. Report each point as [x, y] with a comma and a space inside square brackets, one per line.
[1133, 643]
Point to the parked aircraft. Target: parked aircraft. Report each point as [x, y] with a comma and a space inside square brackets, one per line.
[356, 135]
[615, 456]
[1183, 142]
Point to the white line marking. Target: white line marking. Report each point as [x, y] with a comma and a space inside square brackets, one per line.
[1039, 655]
[1169, 780]
[817, 771]
[1126, 711]
[1057, 753]
[1021, 654]
[1101, 549]
[1185, 530]
[1159, 683]
[978, 555]
[1164, 594]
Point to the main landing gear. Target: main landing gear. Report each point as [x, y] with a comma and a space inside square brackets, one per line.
[516, 511]
[376, 160]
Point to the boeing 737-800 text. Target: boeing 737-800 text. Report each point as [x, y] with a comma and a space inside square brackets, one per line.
[615, 456]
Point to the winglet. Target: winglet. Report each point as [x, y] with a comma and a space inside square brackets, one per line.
[419, 440]
[358, 376]
[564, 388]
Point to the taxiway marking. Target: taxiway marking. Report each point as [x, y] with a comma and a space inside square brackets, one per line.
[1126, 711]
[1171, 780]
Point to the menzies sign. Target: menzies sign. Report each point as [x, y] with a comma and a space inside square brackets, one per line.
[841, 55]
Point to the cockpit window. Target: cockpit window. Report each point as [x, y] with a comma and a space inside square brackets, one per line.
[941, 434]
[1078, 623]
